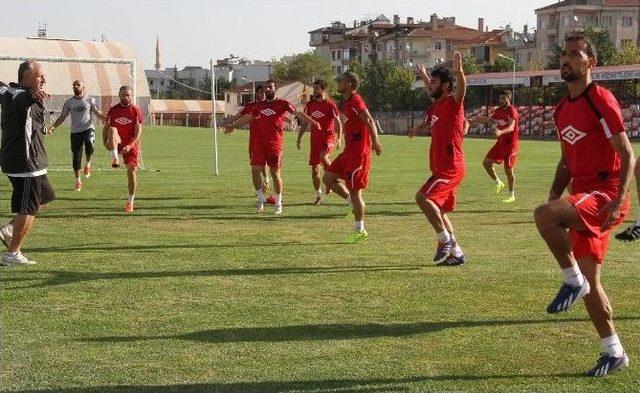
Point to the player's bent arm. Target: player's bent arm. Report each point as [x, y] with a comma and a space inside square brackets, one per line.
[561, 178]
[307, 119]
[58, 121]
[509, 128]
[622, 146]
[338, 124]
[465, 128]
[461, 80]
[372, 129]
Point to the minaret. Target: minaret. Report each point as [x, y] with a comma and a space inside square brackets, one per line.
[158, 54]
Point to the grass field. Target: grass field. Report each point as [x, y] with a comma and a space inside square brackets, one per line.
[196, 293]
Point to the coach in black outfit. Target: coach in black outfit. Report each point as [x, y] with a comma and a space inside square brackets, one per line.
[23, 157]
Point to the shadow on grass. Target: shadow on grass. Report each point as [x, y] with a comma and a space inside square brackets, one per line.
[61, 277]
[337, 331]
[316, 386]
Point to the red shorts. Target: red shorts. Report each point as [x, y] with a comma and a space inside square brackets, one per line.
[132, 157]
[500, 154]
[319, 145]
[266, 154]
[353, 169]
[441, 190]
[594, 241]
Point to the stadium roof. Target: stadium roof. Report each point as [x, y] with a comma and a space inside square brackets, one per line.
[100, 79]
[184, 106]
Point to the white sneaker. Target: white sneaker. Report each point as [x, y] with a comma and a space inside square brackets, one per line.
[259, 207]
[277, 209]
[9, 259]
[6, 234]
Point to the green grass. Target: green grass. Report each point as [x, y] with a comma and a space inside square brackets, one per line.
[195, 292]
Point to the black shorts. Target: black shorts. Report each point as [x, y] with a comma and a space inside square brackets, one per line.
[79, 140]
[29, 193]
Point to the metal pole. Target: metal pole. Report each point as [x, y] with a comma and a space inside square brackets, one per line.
[513, 95]
[253, 92]
[214, 125]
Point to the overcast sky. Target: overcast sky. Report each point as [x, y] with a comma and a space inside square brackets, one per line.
[193, 31]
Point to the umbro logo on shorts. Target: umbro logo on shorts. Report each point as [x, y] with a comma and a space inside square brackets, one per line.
[123, 121]
[268, 112]
[572, 135]
[317, 114]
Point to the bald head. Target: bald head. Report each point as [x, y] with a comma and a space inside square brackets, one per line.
[31, 75]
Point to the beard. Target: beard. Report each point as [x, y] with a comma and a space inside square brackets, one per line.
[567, 74]
[270, 95]
[437, 93]
[77, 92]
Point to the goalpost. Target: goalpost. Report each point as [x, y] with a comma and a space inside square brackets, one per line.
[59, 150]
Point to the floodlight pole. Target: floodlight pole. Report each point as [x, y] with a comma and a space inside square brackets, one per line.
[214, 124]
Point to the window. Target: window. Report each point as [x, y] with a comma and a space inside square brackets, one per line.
[627, 21]
[339, 54]
[150, 82]
[606, 21]
[161, 83]
[438, 46]
[333, 55]
[592, 20]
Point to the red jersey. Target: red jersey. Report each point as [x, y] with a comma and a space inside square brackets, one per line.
[585, 125]
[356, 134]
[124, 119]
[270, 118]
[324, 113]
[446, 121]
[503, 117]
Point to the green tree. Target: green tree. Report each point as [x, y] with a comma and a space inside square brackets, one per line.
[470, 64]
[607, 52]
[502, 64]
[628, 54]
[385, 85]
[306, 68]
[554, 59]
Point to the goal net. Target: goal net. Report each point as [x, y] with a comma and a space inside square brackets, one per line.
[102, 78]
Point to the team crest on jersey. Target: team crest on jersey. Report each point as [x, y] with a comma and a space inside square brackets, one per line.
[502, 123]
[268, 112]
[123, 121]
[433, 120]
[317, 114]
[571, 135]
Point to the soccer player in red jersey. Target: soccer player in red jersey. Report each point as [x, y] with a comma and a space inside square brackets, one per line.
[504, 122]
[121, 135]
[258, 174]
[271, 115]
[597, 161]
[445, 120]
[323, 138]
[632, 233]
[353, 164]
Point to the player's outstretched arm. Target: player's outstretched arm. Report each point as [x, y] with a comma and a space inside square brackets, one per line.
[231, 126]
[422, 128]
[60, 119]
[373, 130]
[307, 119]
[561, 178]
[461, 80]
[622, 146]
[424, 75]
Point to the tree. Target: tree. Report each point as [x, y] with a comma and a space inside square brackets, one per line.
[470, 64]
[385, 85]
[628, 54]
[306, 68]
[607, 52]
[501, 64]
[554, 59]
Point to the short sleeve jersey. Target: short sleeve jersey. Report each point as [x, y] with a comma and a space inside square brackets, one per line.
[356, 134]
[124, 119]
[324, 113]
[80, 110]
[503, 117]
[446, 121]
[270, 118]
[585, 125]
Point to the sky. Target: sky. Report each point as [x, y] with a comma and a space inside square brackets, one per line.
[193, 31]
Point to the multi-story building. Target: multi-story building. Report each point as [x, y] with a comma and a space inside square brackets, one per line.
[406, 43]
[488, 46]
[619, 17]
[240, 70]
